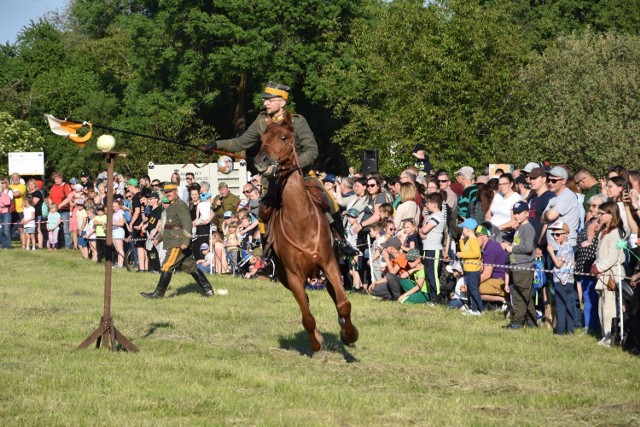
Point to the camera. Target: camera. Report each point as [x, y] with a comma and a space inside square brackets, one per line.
[151, 165]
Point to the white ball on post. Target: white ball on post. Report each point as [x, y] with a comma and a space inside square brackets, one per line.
[106, 143]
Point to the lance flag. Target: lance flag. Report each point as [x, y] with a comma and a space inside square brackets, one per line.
[70, 130]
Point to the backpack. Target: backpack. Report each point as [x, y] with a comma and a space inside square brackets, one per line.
[45, 210]
[539, 278]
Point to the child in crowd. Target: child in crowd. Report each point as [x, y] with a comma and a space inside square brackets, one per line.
[378, 238]
[81, 217]
[100, 223]
[386, 212]
[255, 264]
[89, 234]
[206, 263]
[416, 290]
[245, 236]
[459, 299]
[53, 226]
[29, 221]
[563, 281]
[471, 257]
[522, 252]
[409, 235]
[232, 244]
[432, 233]
[352, 236]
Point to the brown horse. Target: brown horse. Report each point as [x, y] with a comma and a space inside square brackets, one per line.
[300, 234]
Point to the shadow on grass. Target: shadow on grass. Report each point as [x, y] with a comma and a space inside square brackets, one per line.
[189, 289]
[155, 326]
[300, 343]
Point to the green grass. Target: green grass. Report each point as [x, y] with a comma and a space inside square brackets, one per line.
[242, 359]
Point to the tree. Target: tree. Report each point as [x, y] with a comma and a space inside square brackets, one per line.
[438, 74]
[583, 107]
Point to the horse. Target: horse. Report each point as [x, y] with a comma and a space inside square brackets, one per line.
[299, 233]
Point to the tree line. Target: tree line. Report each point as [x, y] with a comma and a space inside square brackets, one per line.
[475, 81]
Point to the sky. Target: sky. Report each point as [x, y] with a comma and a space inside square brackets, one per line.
[16, 14]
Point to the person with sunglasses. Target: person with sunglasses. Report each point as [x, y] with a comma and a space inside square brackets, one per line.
[563, 207]
[444, 183]
[563, 279]
[588, 184]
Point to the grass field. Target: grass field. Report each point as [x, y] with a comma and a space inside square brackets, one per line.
[242, 359]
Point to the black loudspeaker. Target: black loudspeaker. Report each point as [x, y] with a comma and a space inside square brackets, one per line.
[369, 161]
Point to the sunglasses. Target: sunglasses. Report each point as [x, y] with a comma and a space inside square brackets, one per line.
[553, 181]
[443, 180]
[391, 229]
[372, 185]
[246, 191]
[557, 234]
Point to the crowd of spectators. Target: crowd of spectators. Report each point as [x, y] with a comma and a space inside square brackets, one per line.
[465, 240]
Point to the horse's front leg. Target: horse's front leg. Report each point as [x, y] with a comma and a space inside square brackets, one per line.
[296, 285]
[348, 332]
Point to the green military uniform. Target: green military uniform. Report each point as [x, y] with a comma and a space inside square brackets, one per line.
[306, 145]
[229, 203]
[175, 233]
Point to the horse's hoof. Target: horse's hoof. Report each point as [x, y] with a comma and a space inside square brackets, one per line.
[349, 339]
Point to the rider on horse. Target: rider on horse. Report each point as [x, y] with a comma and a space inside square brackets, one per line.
[275, 98]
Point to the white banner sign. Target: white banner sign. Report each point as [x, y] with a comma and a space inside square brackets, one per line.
[26, 163]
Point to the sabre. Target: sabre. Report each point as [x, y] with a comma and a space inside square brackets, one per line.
[67, 127]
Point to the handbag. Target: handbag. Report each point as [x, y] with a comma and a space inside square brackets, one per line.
[611, 284]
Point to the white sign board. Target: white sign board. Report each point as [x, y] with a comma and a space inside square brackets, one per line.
[26, 163]
[204, 172]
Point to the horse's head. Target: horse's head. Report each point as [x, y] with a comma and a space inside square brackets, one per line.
[277, 153]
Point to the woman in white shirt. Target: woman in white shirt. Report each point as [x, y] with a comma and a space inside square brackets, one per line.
[500, 212]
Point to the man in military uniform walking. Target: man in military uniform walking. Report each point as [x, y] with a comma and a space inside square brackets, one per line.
[176, 238]
[274, 100]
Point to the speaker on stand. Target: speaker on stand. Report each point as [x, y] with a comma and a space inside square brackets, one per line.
[369, 161]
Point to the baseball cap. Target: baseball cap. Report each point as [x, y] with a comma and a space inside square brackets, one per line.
[481, 230]
[466, 171]
[204, 247]
[413, 254]
[222, 184]
[84, 174]
[520, 206]
[204, 196]
[73, 181]
[393, 242]
[559, 225]
[330, 178]
[559, 172]
[133, 182]
[456, 266]
[352, 212]
[153, 195]
[469, 223]
[530, 166]
[165, 200]
[78, 187]
[227, 214]
[536, 173]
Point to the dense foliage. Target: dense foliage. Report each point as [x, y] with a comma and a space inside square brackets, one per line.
[476, 81]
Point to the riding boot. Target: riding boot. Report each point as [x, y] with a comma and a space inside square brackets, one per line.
[163, 284]
[340, 242]
[201, 280]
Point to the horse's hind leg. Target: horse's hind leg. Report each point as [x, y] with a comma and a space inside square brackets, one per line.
[296, 286]
[335, 287]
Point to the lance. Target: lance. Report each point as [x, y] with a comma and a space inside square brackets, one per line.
[69, 127]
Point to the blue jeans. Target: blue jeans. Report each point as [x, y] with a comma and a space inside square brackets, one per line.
[65, 227]
[5, 233]
[472, 280]
[590, 298]
[565, 307]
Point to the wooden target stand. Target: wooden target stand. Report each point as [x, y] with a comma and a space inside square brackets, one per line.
[106, 333]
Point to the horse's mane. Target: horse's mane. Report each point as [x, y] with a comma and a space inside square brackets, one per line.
[287, 122]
